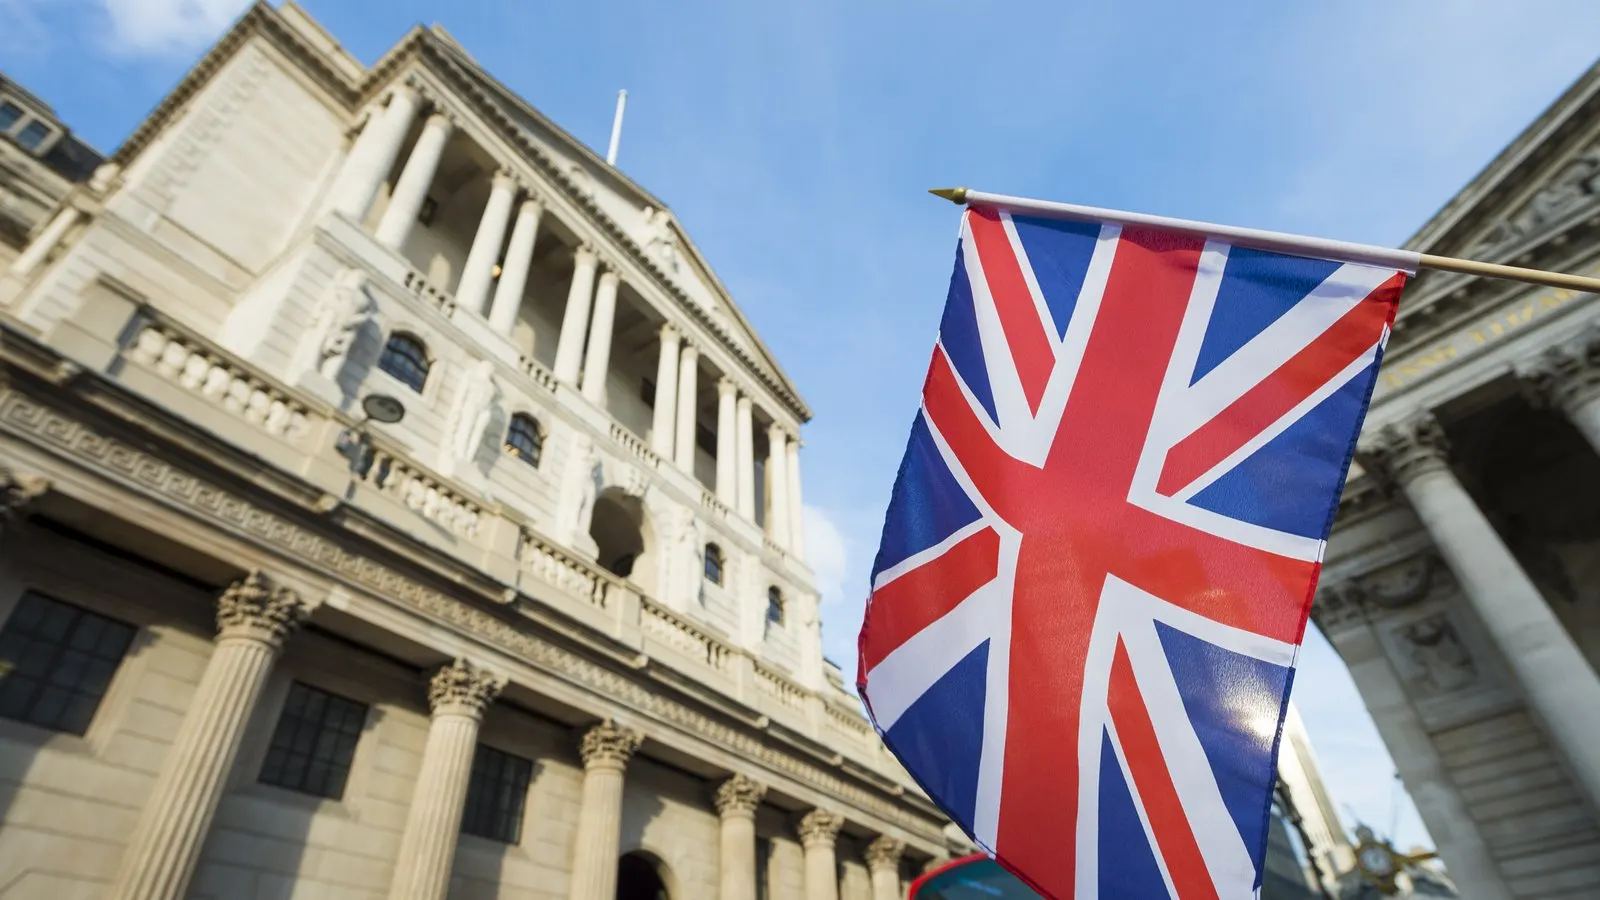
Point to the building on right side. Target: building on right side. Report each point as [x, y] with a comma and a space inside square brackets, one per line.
[1461, 582]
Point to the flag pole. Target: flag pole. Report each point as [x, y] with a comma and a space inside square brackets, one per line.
[1272, 240]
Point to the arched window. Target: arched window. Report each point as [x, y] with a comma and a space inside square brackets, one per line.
[525, 439]
[775, 606]
[713, 564]
[406, 358]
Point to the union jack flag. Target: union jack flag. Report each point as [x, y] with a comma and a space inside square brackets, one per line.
[1102, 544]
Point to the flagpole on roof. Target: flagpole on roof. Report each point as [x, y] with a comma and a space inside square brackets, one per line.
[1275, 240]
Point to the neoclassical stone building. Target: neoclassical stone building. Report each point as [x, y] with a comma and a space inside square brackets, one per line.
[1462, 584]
[550, 634]
[40, 160]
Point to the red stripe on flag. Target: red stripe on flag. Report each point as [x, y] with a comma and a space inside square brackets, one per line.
[1319, 361]
[990, 468]
[1153, 784]
[922, 596]
[1031, 347]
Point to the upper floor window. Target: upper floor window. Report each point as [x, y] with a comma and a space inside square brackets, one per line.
[713, 564]
[10, 114]
[33, 134]
[314, 743]
[406, 358]
[56, 661]
[775, 606]
[24, 126]
[525, 439]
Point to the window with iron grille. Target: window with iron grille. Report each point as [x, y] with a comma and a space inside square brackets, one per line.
[314, 743]
[56, 661]
[496, 795]
[775, 606]
[525, 439]
[713, 564]
[406, 358]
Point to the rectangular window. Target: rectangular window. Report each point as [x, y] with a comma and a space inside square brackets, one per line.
[496, 795]
[763, 864]
[9, 114]
[33, 134]
[314, 743]
[56, 661]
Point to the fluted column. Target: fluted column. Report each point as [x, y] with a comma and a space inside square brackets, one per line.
[575, 321]
[797, 540]
[472, 291]
[727, 443]
[598, 359]
[818, 830]
[883, 862]
[778, 485]
[1567, 377]
[514, 276]
[746, 455]
[1555, 677]
[373, 154]
[606, 749]
[736, 800]
[253, 619]
[664, 420]
[415, 179]
[688, 389]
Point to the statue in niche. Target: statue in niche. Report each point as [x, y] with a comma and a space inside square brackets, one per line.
[584, 486]
[1435, 647]
[339, 320]
[660, 241]
[475, 409]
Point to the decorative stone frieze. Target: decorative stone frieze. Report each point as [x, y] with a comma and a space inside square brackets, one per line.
[608, 745]
[255, 608]
[463, 688]
[739, 795]
[1336, 606]
[1567, 375]
[1403, 450]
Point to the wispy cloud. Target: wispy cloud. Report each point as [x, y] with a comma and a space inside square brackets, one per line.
[160, 27]
[828, 554]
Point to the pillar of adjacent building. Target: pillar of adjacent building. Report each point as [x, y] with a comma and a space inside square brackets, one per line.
[48, 238]
[575, 321]
[664, 418]
[883, 862]
[415, 179]
[1555, 677]
[797, 541]
[514, 274]
[778, 484]
[688, 406]
[598, 359]
[477, 274]
[605, 749]
[819, 830]
[745, 453]
[373, 154]
[727, 442]
[736, 800]
[253, 619]
[458, 695]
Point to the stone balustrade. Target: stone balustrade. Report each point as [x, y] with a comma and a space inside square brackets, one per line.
[436, 297]
[849, 724]
[422, 493]
[207, 371]
[634, 445]
[715, 506]
[550, 564]
[774, 684]
[541, 376]
[667, 627]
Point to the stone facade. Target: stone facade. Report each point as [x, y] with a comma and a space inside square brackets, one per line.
[551, 634]
[1459, 584]
[41, 161]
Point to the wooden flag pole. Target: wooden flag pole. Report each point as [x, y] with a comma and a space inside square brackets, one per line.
[1272, 240]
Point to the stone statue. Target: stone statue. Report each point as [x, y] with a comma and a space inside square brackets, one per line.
[660, 242]
[1433, 645]
[339, 320]
[584, 482]
[475, 409]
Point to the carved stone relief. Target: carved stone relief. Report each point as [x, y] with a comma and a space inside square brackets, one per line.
[477, 407]
[1443, 663]
[344, 311]
[1575, 185]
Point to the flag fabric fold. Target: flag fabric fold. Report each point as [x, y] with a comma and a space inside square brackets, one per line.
[1101, 547]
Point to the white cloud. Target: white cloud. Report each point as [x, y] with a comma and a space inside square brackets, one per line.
[159, 27]
[828, 554]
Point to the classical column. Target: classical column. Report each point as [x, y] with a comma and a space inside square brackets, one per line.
[373, 154]
[605, 749]
[1567, 377]
[17, 495]
[688, 407]
[47, 239]
[458, 696]
[797, 541]
[472, 291]
[514, 276]
[883, 861]
[415, 179]
[818, 831]
[1553, 673]
[727, 443]
[598, 359]
[746, 456]
[736, 800]
[253, 619]
[777, 471]
[575, 321]
[664, 418]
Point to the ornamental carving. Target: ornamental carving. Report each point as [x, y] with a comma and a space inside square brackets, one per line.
[739, 795]
[1575, 186]
[1566, 375]
[1441, 658]
[1404, 450]
[820, 828]
[608, 745]
[1400, 584]
[255, 608]
[17, 494]
[462, 687]
[1336, 606]
[884, 853]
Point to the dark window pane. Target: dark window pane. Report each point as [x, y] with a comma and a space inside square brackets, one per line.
[713, 564]
[406, 359]
[9, 114]
[33, 134]
[525, 439]
[314, 743]
[775, 606]
[496, 794]
[56, 661]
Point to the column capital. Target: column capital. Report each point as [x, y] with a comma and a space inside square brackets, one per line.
[668, 332]
[18, 493]
[532, 201]
[689, 348]
[739, 796]
[461, 688]
[608, 273]
[776, 432]
[608, 745]
[819, 828]
[1406, 449]
[585, 255]
[254, 608]
[884, 853]
[744, 401]
[414, 81]
[726, 385]
[441, 119]
[505, 179]
[1565, 375]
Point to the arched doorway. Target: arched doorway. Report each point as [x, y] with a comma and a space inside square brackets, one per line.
[639, 878]
[621, 533]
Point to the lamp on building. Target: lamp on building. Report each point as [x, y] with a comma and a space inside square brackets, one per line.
[355, 444]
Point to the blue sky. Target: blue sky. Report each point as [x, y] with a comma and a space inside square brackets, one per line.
[795, 142]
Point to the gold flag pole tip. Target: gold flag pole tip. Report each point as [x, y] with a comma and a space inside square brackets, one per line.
[956, 195]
